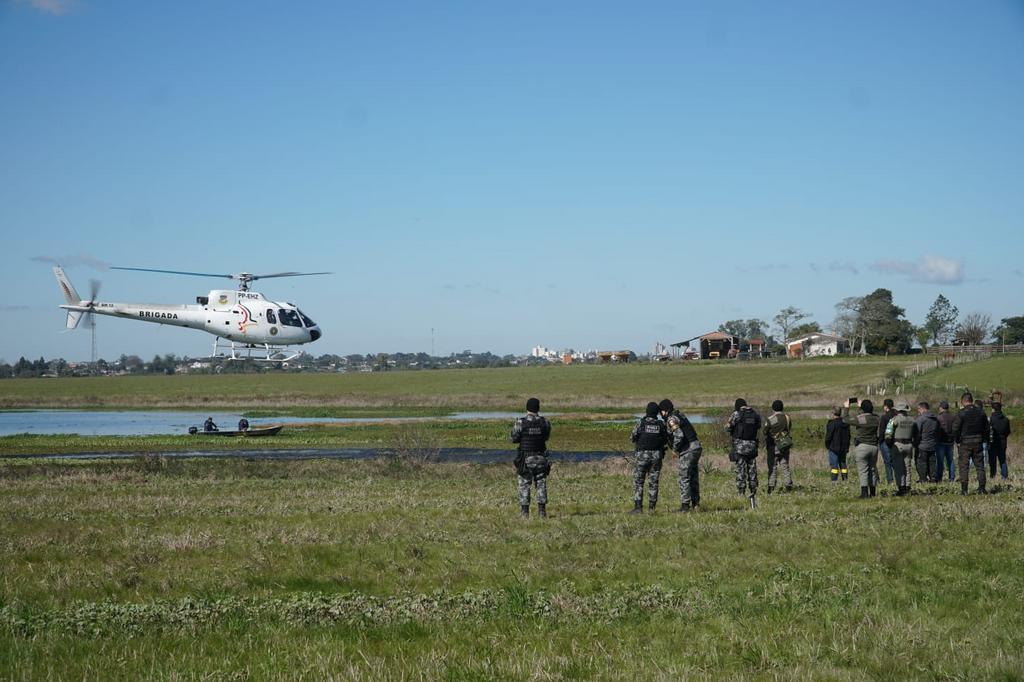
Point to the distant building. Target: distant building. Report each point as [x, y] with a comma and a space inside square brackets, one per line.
[757, 348]
[712, 346]
[816, 345]
[615, 355]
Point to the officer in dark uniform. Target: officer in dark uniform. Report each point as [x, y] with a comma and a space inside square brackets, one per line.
[243, 424]
[687, 446]
[650, 436]
[209, 426]
[531, 434]
[970, 432]
[744, 425]
[997, 446]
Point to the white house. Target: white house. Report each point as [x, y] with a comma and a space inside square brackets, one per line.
[816, 345]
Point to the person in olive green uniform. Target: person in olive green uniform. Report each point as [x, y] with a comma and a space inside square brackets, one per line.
[778, 440]
[865, 438]
[900, 434]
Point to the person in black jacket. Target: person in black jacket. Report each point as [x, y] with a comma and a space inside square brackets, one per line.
[971, 432]
[997, 445]
[837, 442]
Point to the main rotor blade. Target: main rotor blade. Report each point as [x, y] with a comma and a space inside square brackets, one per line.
[176, 272]
[290, 274]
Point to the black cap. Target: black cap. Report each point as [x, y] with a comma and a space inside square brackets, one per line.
[740, 402]
[652, 409]
[867, 406]
[944, 404]
[777, 405]
[666, 405]
[533, 405]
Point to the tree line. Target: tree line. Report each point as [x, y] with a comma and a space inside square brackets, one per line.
[874, 324]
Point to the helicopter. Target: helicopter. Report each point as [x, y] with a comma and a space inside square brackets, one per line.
[244, 323]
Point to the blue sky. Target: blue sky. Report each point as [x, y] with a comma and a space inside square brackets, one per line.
[588, 175]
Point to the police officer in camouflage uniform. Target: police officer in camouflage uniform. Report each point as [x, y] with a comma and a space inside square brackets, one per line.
[900, 435]
[687, 446]
[744, 426]
[650, 435]
[971, 432]
[865, 438]
[531, 434]
[778, 440]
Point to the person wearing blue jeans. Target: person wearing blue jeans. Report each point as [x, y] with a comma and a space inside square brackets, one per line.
[887, 413]
[837, 442]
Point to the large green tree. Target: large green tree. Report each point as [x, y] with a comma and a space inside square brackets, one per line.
[745, 329]
[1010, 330]
[941, 320]
[884, 328]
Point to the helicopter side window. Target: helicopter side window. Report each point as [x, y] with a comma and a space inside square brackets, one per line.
[271, 317]
[305, 320]
[289, 317]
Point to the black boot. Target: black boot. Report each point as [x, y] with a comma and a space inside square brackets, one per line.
[685, 507]
[844, 477]
[638, 507]
[524, 510]
[871, 491]
[770, 489]
[542, 510]
[981, 489]
[863, 492]
[652, 504]
[963, 489]
[789, 488]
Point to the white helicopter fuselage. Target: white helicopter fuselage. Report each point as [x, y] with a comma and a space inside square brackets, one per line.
[243, 317]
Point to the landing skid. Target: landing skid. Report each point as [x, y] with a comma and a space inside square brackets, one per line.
[263, 352]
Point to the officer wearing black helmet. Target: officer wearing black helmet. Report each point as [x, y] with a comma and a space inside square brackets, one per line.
[650, 436]
[531, 434]
[743, 426]
[684, 442]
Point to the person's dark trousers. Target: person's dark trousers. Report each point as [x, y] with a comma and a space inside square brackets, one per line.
[997, 453]
[946, 461]
[887, 458]
[971, 454]
[927, 466]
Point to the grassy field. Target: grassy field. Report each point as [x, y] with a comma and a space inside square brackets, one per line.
[393, 569]
[582, 387]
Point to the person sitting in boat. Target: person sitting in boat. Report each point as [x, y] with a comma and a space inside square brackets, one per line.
[209, 426]
[243, 424]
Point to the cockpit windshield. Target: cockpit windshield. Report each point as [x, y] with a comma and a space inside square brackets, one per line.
[305, 320]
[289, 317]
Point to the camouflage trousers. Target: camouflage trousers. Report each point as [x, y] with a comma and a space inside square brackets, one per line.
[648, 466]
[536, 473]
[902, 457]
[689, 474]
[746, 474]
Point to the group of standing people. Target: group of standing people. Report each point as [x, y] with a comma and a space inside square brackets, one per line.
[905, 442]
[924, 443]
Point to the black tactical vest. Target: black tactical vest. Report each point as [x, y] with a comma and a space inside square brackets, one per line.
[533, 436]
[686, 426]
[746, 427]
[653, 434]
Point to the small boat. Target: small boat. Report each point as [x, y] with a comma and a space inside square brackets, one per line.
[255, 432]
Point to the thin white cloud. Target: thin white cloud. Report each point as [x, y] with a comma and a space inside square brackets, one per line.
[54, 7]
[843, 266]
[927, 269]
[74, 260]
